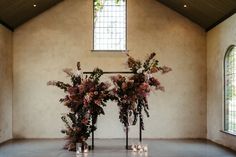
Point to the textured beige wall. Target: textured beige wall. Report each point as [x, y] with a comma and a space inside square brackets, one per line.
[5, 84]
[62, 35]
[218, 40]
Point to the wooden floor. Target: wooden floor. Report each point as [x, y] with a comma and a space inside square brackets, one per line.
[115, 148]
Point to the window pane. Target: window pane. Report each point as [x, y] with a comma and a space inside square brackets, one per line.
[230, 90]
[109, 25]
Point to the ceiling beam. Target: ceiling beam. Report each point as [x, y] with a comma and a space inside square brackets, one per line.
[221, 20]
[206, 13]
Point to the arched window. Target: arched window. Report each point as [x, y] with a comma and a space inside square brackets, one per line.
[230, 90]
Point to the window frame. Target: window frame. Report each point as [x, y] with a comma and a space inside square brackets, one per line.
[225, 130]
[126, 31]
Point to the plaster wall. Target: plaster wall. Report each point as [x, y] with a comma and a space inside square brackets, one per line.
[5, 84]
[61, 36]
[218, 41]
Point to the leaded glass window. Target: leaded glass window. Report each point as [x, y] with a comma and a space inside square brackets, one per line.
[230, 90]
[109, 25]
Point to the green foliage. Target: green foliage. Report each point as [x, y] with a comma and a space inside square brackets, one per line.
[99, 4]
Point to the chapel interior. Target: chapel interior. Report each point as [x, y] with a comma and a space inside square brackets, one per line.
[180, 103]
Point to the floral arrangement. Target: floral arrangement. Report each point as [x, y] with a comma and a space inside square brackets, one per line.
[85, 98]
[131, 92]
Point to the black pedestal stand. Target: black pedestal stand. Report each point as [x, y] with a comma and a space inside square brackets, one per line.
[92, 147]
[127, 134]
[127, 146]
[140, 130]
[127, 138]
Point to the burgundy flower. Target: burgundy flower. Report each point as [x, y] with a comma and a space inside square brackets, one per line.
[81, 88]
[85, 121]
[98, 102]
[72, 90]
[124, 85]
[154, 82]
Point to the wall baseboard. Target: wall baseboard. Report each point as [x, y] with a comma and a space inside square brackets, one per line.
[6, 141]
[221, 145]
